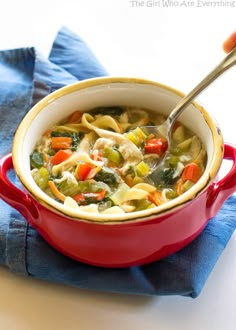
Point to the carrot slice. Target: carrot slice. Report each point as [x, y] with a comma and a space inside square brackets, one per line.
[55, 191]
[61, 156]
[192, 172]
[83, 170]
[156, 197]
[75, 117]
[230, 43]
[179, 187]
[47, 133]
[61, 142]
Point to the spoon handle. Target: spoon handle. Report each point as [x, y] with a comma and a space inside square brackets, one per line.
[224, 65]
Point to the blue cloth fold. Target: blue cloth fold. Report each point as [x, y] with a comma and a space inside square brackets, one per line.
[26, 77]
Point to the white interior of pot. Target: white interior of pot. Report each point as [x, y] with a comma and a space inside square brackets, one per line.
[154, 97]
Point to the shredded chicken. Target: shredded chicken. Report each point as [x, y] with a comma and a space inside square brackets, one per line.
[128, 150]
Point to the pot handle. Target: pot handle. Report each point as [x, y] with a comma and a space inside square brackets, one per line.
[12, 195]
[225, 187]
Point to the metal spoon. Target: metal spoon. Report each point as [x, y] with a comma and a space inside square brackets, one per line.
[165, 129]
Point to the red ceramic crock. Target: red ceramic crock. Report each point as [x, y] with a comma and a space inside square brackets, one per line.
[132, 239]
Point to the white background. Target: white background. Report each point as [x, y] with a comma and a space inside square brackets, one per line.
[175, 45]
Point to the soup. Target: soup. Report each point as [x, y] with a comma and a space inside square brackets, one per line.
[100, 161]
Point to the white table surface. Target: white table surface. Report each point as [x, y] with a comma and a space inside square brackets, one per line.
[175, 45]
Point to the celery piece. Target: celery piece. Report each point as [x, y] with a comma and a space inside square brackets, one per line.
[41, 177]
[143, 204]
[137, 136]
[49, 192]
[90, 186]
[133, 138]
[142, 169]
[173, 160]
[69, 188]
[170, 194]
[112, 154]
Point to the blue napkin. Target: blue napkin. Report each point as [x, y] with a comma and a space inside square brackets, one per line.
[26, 77]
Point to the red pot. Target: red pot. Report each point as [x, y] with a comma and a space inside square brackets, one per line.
[130, 239]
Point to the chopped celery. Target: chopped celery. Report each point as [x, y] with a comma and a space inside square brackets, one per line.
[137, 136]
[173, 160]
[143, 204]
[90, 186]
[112, 154]
[69, 188]
[170, 193]
[133, 138]
[41, 177]
[142, 169]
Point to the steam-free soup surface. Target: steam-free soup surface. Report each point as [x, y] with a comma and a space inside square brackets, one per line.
[98, 161]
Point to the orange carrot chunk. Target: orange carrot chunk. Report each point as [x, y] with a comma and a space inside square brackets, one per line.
[61, 156]
[83, 170]
[75, 117]
[61, 142]
[192, 172]
[179, 187]
[156, 197]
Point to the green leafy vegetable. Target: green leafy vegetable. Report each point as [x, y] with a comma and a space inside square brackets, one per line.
[166, 176]
[36, 159]
[107, 176]
[111, 111]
